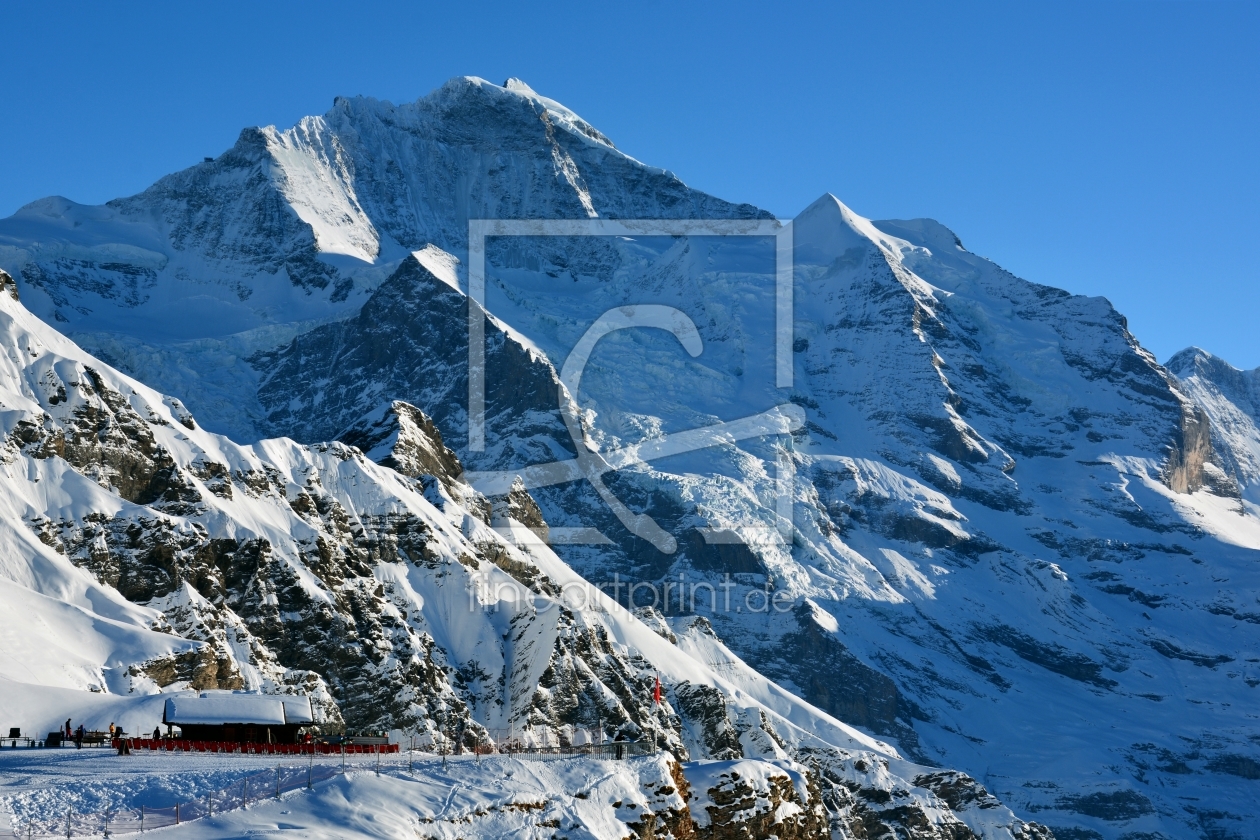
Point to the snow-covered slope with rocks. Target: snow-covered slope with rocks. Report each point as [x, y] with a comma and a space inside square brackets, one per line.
[458, 797]
[1018, 545]
[143, 554]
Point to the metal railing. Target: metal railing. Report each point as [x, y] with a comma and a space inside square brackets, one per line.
[246, 748]
[615, 750]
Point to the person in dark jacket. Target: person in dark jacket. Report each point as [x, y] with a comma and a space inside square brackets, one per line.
[78, 737]
[69, 731]
[157, 733]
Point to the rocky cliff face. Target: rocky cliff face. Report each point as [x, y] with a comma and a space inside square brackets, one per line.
[1008, 524]
[1231, 400]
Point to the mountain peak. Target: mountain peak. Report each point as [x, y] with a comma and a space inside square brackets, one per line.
[1194, 360]
[1184, 362]
[827, 229]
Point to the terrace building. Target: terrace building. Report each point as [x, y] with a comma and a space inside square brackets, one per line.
[239, 717]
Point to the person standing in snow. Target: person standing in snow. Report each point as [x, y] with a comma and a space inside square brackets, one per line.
[69, 732]
[78, 737]
[157, 733]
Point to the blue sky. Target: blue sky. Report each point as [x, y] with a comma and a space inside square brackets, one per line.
[1109, 148]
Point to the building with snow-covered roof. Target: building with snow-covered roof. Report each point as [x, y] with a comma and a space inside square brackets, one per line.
[239, 716]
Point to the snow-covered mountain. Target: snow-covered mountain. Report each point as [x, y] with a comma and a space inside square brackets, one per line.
[1018, 545]
[142, 553]
[184, 282]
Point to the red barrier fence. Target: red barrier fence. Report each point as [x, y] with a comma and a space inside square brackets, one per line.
[190, 745]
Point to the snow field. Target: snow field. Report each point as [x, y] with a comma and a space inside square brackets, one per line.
[456, 797]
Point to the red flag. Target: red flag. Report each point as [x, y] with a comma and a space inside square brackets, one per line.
[656, 693]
